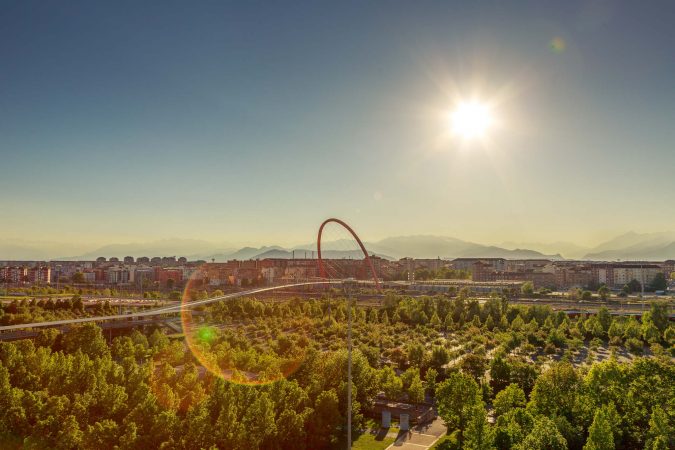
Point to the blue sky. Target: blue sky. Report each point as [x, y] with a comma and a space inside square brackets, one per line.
[251, 122]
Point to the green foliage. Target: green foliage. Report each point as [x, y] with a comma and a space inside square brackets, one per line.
[658, 314]
[659, 283]
[86, 338]
[600, 436]
[479, 434]
[512, 427]
[500, 373]
[146, 391]
[510, 398]
[527, 288]
[544, 436]
[430, 380]
[457, 397]
[439, 357]
[555, 391]
[474, 365]
[661, 434]
[390, 383]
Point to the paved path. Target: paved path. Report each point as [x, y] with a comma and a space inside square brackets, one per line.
[421, 437]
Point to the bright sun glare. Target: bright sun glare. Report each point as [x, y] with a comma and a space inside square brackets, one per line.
[471, 120]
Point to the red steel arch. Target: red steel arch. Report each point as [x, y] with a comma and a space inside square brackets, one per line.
[322, 269]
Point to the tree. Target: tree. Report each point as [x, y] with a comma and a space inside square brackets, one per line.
[479, 434]
[524, 375]
[70, 434]
[78, 277]
[489, 323]
[555, 392]
[669, 335]
[659, 283]
[390, 383]
[47, 337]
[603, 292]
[474, 365]
[544, 436]
[660, 434]
[634, 286]
[512, 428]
[631, 329]
[87, 338]
[615, 331]
[259, 423]
[291, 430]
[600, 436]
[449, 323]
[509, 398]
[416, 355]
[500, 373]
[439, 357]
[527, 288]
[457, 397]
[416, 390]
[604, 318]
[158, 340]
[435, 321]
[518, 323]
[658, 312]
[103, 434]
[650, 333]
[430, 380]
[324, 419]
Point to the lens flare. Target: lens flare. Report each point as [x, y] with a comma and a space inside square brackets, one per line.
[557, 45]
[238, 339]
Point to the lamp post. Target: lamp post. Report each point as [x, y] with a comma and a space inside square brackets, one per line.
[348, 285]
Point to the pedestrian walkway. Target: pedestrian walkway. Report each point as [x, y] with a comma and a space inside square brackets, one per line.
[420, 437]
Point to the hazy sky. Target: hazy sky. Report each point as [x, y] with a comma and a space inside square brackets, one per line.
[251, 122]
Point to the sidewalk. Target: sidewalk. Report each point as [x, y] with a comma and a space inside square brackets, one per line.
[420, 437]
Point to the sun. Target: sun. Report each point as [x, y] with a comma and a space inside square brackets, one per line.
[471, 120]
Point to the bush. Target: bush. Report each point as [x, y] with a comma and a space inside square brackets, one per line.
[634, 346]
[616, 341]
[595, 343]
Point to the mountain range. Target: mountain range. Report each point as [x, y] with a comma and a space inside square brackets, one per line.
[636, 246]
[629, 246]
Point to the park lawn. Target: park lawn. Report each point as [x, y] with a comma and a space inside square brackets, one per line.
[368, 441]
[447, 442]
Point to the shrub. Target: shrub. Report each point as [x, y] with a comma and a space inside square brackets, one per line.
[634, 346]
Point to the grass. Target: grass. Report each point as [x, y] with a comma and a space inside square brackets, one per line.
[368, 441]
[447, 442]
[373, 438]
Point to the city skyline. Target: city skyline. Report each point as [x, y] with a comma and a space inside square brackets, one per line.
[231, 123]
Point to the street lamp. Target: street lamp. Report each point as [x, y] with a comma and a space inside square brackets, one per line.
[348, 283]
